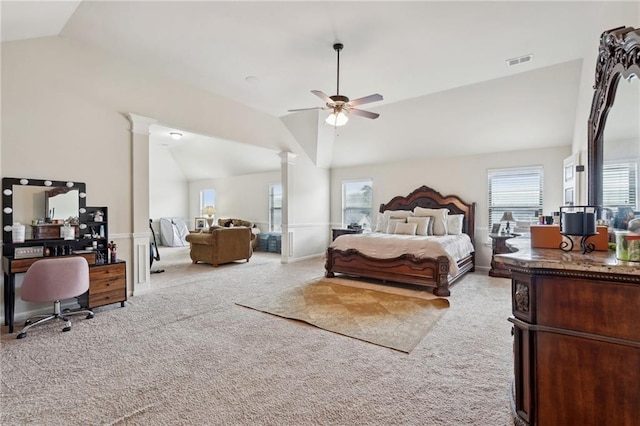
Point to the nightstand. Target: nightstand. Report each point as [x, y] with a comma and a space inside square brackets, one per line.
[335, 233]
[499, 246]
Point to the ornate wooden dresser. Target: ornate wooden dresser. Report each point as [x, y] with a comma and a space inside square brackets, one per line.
[576, 329]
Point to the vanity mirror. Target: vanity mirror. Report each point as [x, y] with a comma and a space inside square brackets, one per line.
[29, 201]
[614, 130]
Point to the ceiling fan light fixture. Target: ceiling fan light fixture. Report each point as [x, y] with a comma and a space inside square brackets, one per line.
[337, 119]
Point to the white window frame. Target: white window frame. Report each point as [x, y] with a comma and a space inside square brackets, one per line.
[207, 198]
[519, 190]
[345, 202]
[273, 192]
[623, 176]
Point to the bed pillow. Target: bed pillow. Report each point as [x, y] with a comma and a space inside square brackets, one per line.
[406, 228]
[454, 224]
[391, 224]
[439, 218]
[381, 225]
[382, 221]
[422, 223]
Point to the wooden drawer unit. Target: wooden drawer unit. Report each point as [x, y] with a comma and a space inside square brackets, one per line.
[108, 284]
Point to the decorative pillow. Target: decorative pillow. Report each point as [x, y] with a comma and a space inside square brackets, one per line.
[381, 225]
[422, 224]
[406, 228]
[391, 224]
[454, 224]
[439, 216]
[383, 222]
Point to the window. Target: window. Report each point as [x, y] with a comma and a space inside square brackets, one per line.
[518, 190]
[207, 198]
[619, 185]
[275, 208]
[357, 197]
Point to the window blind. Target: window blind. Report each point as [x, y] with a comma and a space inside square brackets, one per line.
[619, 185]
[518, 190]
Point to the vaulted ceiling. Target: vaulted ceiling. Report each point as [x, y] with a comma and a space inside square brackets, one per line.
[441, 66]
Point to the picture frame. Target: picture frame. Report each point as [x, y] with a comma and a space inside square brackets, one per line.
[495, 229]
[201, 223]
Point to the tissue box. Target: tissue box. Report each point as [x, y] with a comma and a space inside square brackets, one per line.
[548, 236]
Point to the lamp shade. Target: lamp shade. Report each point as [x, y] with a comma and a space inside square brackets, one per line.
[339, 119]
[507, 217]
[209, 210]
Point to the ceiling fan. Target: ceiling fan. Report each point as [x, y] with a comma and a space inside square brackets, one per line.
[341, 105]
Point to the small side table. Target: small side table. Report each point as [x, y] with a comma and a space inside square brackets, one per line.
[499, 245]
[335, 233]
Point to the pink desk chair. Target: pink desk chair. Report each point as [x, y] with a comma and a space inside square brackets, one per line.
[53, 280]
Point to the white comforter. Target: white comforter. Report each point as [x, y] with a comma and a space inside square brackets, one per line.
[386, 246]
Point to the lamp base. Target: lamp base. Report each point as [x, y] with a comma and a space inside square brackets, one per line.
[210, 221]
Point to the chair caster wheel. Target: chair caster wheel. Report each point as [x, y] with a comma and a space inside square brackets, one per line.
[21, 336]
[89, 316]
[66, 329]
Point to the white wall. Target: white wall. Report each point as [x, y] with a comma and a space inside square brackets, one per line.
[463, 176]
[309, 228]
[168, 188]
[241, 197]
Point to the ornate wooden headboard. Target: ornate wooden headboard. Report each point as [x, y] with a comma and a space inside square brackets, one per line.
[430, 198]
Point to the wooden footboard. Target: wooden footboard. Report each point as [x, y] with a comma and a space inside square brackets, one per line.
[403, 269]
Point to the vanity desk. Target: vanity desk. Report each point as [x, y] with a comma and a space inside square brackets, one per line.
[107, 283]
[47, 205]
[576, 337]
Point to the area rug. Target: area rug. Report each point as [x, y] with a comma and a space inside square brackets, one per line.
[395, 321]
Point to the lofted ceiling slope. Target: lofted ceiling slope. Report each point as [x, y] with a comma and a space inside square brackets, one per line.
[441, 66]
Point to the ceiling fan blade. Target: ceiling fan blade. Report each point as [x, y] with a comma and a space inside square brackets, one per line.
[326, 99]
[362, 113]
[304, 109]
[366, 100]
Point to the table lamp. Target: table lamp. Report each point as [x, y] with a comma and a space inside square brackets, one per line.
[507, 217]
[209, 211]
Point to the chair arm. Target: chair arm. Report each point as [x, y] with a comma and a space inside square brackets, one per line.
[200, 238]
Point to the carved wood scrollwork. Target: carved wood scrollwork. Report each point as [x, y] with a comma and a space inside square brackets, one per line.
[618, 56]
[521, 297]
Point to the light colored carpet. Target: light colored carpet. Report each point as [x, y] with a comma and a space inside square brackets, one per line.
[382, 318]
[187, 354]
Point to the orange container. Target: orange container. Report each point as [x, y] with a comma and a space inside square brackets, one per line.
[548, 236]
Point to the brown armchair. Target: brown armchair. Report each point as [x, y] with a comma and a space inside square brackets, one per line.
[221, 245]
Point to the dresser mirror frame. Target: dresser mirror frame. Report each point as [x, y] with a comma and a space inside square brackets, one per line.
[9, 186]
[618, 57]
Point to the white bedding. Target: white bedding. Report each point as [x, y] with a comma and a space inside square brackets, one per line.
[386, 246]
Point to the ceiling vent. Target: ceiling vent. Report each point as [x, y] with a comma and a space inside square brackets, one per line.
[520, 60]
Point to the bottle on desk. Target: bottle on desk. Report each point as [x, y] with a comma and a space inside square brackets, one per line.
[112, 251]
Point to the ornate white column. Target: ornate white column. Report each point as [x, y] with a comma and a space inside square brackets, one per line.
[286, 178]
[140, 201]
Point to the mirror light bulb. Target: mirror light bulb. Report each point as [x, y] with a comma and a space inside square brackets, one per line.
[69, 184]
[24, 181]
[7, 192]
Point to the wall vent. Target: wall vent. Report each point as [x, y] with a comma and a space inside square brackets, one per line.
[519, 60]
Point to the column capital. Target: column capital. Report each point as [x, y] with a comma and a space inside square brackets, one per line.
[140, 124]
[287, 157]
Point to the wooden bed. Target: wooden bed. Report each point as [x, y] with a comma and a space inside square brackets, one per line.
[407, 268]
